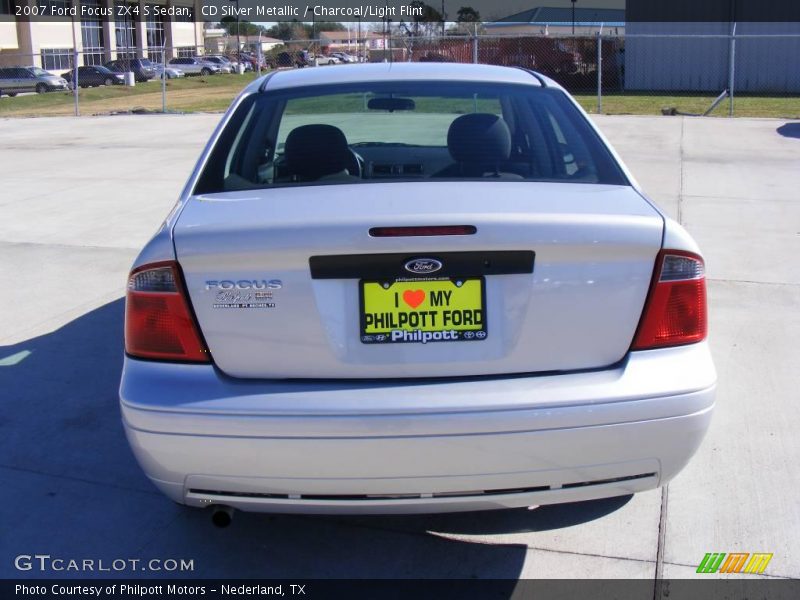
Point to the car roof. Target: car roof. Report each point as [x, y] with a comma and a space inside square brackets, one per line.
[377, 72]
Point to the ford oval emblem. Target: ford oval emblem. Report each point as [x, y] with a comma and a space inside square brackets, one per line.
[423, 266]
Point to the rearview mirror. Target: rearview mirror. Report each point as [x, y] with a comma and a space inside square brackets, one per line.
[391, 104]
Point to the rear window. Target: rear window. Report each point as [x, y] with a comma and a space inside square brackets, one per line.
[406, 131]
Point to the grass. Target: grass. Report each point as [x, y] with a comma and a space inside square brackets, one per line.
[785, 107]
[190, 94]
[214, 94]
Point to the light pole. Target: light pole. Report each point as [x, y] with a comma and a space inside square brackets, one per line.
[389, 30]
[573, 16]
[385, 33]
[312, 47]
[260, 53]
[358, 39]
[238, 41]
[410, 44]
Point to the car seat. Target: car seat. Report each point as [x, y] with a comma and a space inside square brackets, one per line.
[480, 143]
[314, 152]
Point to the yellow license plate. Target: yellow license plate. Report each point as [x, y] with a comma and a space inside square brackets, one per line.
[422, 311]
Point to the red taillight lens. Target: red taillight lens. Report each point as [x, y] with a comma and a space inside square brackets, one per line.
[158, 322]
[675, 311]
[429, 230]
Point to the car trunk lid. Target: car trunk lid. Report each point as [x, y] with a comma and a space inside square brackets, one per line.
[564, 271]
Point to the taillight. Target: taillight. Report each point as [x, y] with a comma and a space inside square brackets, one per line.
[675, 311]
[425, 230]
[158, 322]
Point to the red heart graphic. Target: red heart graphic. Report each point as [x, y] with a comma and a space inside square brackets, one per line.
[414, 297]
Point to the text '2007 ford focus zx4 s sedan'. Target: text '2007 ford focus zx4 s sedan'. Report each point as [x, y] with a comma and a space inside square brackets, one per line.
[397, 288]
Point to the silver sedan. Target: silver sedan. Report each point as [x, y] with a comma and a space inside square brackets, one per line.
[405, 288]
[171, 72]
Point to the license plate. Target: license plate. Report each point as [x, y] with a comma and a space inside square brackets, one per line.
[422, 311]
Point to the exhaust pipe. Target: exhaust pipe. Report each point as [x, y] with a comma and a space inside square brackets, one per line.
[221, 516]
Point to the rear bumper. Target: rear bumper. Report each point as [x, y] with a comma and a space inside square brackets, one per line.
[425, 446]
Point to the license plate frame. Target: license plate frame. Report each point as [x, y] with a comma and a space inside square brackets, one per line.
[426, 328]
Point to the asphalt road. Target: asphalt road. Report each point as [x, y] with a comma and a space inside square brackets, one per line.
[78, 198]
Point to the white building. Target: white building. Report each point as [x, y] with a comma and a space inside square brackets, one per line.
[555, 21]
[50, 44]
[351, 40]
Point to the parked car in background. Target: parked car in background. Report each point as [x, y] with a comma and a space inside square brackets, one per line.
[289, 59]
[463, 302]
[194, 66]
[95, 76]
[436, 57]
[172, 72]
[549, 56]
[14, 80]
[248, 59]
[344, 57]
[329, 59]
[142, 68]
[223, 62]
[280, 60]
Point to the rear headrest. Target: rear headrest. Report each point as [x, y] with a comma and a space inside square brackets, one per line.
[313, 151]
[479, 138]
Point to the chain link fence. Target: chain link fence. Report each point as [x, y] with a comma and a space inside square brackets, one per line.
[745, 75]
[155, 79]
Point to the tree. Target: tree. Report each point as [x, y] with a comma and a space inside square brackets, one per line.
[428, 22]
[328, 26]
[244, 27]
[468, 21]
[288, 30]
[467, 14]
[295, 30]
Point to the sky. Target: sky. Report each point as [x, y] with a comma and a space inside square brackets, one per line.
[498, 8]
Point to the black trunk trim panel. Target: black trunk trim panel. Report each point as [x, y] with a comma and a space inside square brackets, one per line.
[391, 266]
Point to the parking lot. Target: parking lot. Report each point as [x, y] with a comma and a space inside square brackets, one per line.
[80, 196]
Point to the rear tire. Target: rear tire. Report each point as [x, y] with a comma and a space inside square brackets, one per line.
[331, 62]
[41, 88]
[12, 94]
[205, 72]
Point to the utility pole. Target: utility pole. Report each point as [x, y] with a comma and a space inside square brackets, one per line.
[443, 18]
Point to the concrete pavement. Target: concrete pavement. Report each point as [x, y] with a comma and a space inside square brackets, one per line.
[80, 196]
